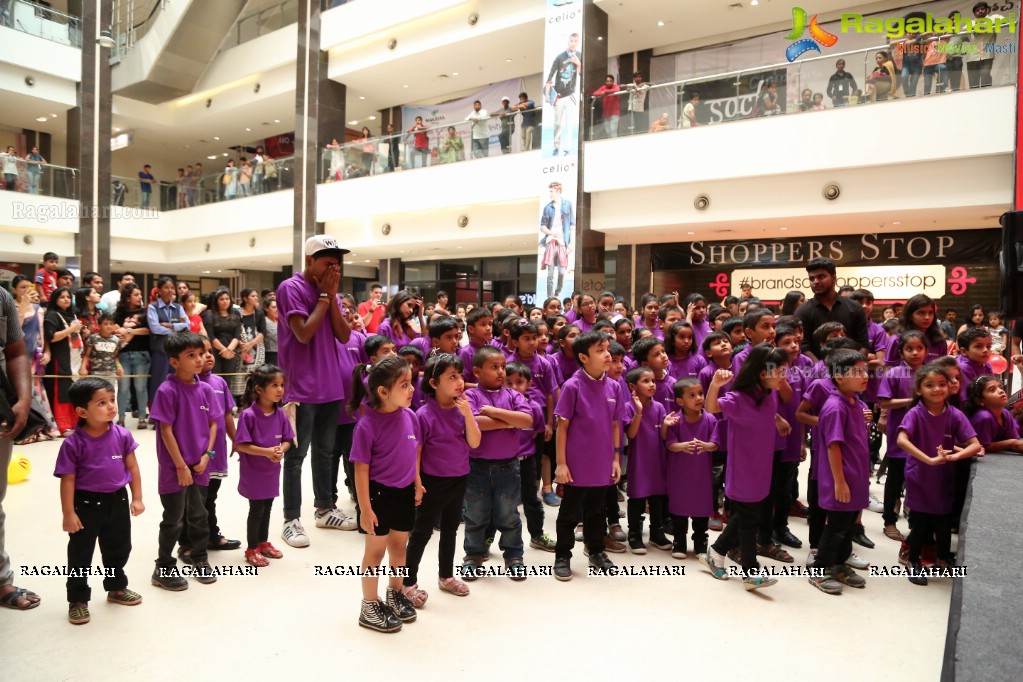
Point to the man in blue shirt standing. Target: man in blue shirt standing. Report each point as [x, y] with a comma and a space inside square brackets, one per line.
[146, 181]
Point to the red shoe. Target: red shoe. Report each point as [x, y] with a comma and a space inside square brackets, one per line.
[269, 551]
[928, 556]
[798, 509]
[716, 523]
[254, 558]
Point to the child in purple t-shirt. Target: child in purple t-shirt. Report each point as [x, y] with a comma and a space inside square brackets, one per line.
[519, 378]
[752, 410]
[186, 410]
[646, 466]
[932, 425]
[264, 434]
[650, 352]
[691, 438]
[414, 357]
[844, 476]
[684, 359]
[996, 427]
[974, 354]
[589, 410]
[524, 340]
[480, 330]
[494, 486]
[95, 464]
[386, 451]
[449, 430]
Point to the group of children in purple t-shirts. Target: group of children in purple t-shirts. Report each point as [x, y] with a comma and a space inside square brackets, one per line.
[531, 403]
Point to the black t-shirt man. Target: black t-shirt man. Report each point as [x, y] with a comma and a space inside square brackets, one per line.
[827, 306]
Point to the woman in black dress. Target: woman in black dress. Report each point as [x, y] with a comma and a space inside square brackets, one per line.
[223, 328]
[61, 329]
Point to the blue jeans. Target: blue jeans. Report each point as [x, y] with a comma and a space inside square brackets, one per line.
[910, 78]
[315, 426]
[133, 362]
[145, 199]
[33, 182]
[611, 125]
[929, 72]
[493, 491]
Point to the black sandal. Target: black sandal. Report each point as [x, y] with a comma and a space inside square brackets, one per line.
[11, 599]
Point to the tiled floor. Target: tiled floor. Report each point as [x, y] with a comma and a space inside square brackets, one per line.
[287, 621]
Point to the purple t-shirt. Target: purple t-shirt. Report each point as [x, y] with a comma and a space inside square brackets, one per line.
[218, 465]
[593, 408]
[646, 468]
[190, 409]
[690, 478]
[701, 330]
[465, 354]
[350, 354]
[96, 463]
[842, 422]
[500, 443]
[990, 431]
[688, 366]
[934, 351]
[445, 450]
[740, 358]
[527, 437]
[583, 325]
[931, 489]
[424, 343]
[306, 365]
[791, 446]
[665, 393]
[655, 330]
[565, 366]
[544, 379]
[970, 370]
[878, 344]
[817, 393]
[418, 397]
[389, 443]
[706, 375]
[400, 338]
[897, 384]
[260, 477]
[751, 435]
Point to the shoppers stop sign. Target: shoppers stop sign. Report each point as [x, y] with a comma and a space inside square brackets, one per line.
[893, 266]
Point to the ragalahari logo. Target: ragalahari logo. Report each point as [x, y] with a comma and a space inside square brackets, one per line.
[818, 36]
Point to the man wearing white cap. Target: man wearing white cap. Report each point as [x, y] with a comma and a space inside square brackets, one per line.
[308, 305]
[480, 120]
[507, 114]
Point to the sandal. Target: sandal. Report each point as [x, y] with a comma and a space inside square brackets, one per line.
[124, 597]
[254, 558]
[454, 586]
[13, 598]
[415, 595]
[774, 552]
[893, 533]
[34, 438]
[269, 551]
[78, 613]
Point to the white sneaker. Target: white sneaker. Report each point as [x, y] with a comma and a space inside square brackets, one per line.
[335, 519]
[857, 562]
[294, 534]
[811, 558]
[875, 504]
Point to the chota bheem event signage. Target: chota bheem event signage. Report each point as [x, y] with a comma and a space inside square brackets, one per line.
[893, 266]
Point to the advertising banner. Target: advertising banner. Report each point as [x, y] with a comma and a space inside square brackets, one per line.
[454, 112]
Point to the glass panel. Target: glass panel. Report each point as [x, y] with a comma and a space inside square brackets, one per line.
[500, 268]
[459, 269]
[41, 21]
[420, 272]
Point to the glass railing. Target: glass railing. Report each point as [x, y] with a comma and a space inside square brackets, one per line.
[260, 23]
[41, 21]
[444, 144]
[208, 188]
[44, 179]
[132, 19]
[806, 85]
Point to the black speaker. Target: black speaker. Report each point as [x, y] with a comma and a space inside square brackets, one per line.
[1011, 263]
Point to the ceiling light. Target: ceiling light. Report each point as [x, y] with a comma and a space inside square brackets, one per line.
[896, 222]
[224, 154]
[691, 233]
[660, 23]
[348, 262]
[600, 37]
[784, 229]
[454, 73]
[277, 120]
[105, 39]
[365, 261]
[507, 61]
[212, 157]
[216, 138]
[205, 272]
[53, 115]
[754, 3]
[41, 119]
[361, 97]
[372, 118]
[248, 130]
[116, 130]
[353, 123]
[404, 86]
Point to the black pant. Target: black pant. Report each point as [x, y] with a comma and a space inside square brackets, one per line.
[741, 532]
[185, 506]
[720, 464]
[257, 527]
[211, 516]
[775, 514]
[954, 68]
[836, 541]
[532, 507]
[680, 524]
[584, 504]
[634, 509]
[964, 468]
[611, 508]
[815, 516]
[923, 527]
[105, 517]
[443, 497]
[341, 459]
[979, 73]
[893, 484]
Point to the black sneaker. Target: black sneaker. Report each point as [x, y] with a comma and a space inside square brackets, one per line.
[515, 568]
[659, 541]
[376, 616]
[678, 551]
[636, 545]
[203, 572]
[600, 562]
[400, 606]
[169, 579]
[916, 573]
[185, 554]
[563, 570]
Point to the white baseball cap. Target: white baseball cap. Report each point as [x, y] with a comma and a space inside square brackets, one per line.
[323, 244]
[506, 98]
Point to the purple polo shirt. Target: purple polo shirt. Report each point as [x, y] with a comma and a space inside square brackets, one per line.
[465, 354]
[223, 394]
[259, 477]
[593, 408]
[878, 344]
[500, 443]
[706, 375]
[817, 393]
[311, 368]
[970, 370]
[931, 489]
[841, 421]
[647, 467]
[564, 365]
[665, 393]
[96, 463]
[400, 338]
[700, 331]
[688, 366]
[445, 450]
[583, 325]
[424, 343]
[544, 379]
[527, 437]
[897, 384]
[791, 446]
[751, 435]
[350, 354]
[190, 409]
[690, 476]
[389, 443]
[990, 431]
[740, 358]
[935, 350]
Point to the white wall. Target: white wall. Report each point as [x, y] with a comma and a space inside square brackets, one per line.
[45, 56]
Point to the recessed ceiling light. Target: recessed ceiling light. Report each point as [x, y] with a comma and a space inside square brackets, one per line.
[53, 115]
[896, 222]
[365, 261]
[784, 229]
[211, 157]
[216, 138]
[754, 3]
[117, 130]
[277, 120]
[372, 118]
[600, 37]
[348, 262]
[205, 272]
[692, 233]
[507, 61]
[41, 119]
[454, 73]
[224, 154]
[660, 23]
[352, 123]
[361, 97]
[404, 86]
[248, 130]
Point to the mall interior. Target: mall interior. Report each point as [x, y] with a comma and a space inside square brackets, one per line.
[737, 164]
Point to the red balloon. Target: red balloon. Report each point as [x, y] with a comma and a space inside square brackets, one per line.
[998, 364]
